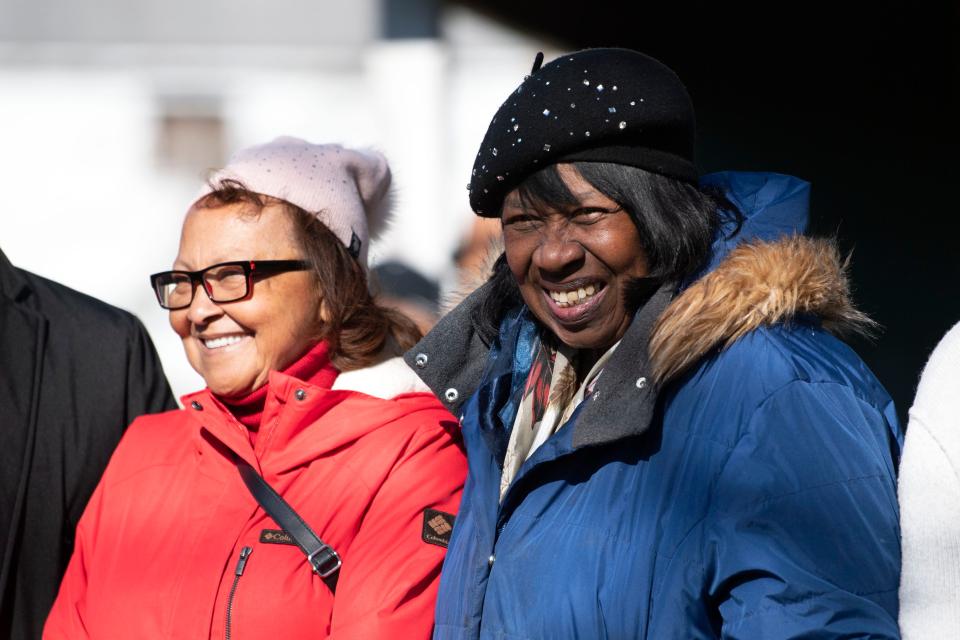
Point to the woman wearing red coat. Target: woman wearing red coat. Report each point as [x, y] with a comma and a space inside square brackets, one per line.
[269, 296]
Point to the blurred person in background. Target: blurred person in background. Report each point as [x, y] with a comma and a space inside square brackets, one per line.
[478, 251]
[930, 500]
[305, 389]
[665, 437]
[74, 372]
[403, 288]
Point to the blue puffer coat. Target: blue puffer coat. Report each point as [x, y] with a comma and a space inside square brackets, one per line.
[733, 474]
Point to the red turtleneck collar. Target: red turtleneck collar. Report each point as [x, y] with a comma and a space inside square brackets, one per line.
[313, 367]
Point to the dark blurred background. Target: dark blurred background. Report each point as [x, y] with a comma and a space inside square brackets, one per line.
[858, 98]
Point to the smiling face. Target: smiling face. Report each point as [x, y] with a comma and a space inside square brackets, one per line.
[235, 345]
[574, 264]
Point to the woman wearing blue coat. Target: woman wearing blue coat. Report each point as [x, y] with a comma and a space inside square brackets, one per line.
[666, 438]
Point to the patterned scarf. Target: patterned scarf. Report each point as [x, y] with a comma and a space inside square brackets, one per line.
[550, 395]
[552, 370]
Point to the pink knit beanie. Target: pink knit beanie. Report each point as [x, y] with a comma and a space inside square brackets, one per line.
[347, 189]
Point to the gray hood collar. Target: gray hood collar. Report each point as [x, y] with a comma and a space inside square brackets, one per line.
[452, 357]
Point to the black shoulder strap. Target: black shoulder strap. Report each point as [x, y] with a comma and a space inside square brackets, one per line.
[321, 556]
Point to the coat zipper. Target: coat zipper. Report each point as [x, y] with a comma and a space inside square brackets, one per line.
[241, 564]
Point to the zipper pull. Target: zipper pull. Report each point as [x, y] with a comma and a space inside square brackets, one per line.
[242, 562]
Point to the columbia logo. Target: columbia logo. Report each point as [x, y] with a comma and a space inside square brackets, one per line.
[276, 536]
[437, 527]
[272, 537]
[440, 525]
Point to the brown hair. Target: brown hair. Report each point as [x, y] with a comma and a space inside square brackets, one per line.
[357, 329]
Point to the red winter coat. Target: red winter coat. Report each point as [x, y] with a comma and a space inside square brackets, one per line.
[157, 549]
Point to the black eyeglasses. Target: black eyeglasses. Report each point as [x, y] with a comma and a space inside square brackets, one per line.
[223, 282]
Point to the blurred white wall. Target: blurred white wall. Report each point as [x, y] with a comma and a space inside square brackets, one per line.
[111, 110]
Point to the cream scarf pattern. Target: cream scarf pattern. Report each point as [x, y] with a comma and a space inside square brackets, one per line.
[553, 375]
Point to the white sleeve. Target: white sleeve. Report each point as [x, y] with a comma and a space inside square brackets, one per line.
[929, 495]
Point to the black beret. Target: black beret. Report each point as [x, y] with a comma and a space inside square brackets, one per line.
[596, 105]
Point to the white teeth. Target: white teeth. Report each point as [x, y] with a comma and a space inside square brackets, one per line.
[572, 298]
[223, 341]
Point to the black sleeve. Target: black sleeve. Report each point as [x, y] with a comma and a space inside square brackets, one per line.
[147, 388]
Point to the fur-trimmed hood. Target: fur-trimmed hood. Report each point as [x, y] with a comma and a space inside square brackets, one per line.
[758, 284]
[764, 274]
